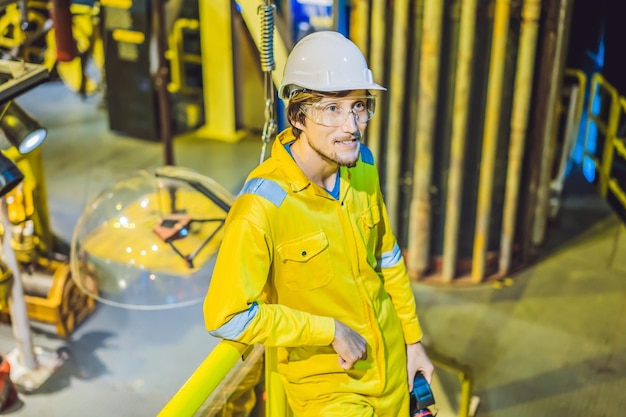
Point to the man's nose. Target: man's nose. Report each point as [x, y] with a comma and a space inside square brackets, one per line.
[350, 124]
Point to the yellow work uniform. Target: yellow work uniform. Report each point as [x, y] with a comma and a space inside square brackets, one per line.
[293, 259]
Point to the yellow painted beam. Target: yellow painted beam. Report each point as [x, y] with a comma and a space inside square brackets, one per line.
[218, 72]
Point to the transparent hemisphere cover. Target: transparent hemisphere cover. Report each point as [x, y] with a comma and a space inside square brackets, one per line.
[150, 241]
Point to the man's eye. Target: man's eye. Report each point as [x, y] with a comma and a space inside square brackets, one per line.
[332, 108]
[359, 105]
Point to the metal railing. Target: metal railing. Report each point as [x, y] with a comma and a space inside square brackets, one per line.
[211, 386]
[207, 389]
[605, 110]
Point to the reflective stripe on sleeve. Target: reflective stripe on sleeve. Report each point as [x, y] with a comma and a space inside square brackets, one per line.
[265, 188]
[236, 325]
[389, 259]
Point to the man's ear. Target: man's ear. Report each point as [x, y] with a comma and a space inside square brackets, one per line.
[297, 124]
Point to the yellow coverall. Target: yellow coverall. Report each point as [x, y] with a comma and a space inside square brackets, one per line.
[293, 259]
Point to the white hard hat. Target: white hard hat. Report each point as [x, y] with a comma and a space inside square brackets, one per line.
[326, 61]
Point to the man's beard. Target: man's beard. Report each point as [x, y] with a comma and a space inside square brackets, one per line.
[335, 159]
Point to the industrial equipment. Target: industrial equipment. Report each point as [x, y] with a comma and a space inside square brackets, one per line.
[28, 32]
[50, 294]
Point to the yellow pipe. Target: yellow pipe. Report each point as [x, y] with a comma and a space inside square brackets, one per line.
[419, 210]
[490, 138]
[175, 54]
[377, 65]
[593, 86]
[618, 145]
[465, 377]
[189, 398]
[397, 88]
[359, 24]
[610, 134]
[465, 399]
[618, 192]
[531, 11]
[459, 131]
[550, 130]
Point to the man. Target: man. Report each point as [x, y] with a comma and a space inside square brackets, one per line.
[309, 263]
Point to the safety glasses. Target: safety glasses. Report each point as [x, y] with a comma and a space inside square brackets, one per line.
[333, 112]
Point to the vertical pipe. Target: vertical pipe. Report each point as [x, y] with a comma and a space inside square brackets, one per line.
[161, 81]
[465, 399]
[419, 210]
[377, 65]
[19, 316]
[359, 24]
[397, 85]
[531, 11]
[490, 138]
[539, 110]
[569, 138]
[459, 131]
[549, 132]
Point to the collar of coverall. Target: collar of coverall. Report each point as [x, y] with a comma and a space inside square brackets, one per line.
[297, 180]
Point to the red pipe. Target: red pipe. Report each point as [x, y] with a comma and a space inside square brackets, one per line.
[62, 19]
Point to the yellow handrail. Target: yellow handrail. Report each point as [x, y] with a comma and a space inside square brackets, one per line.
[612, 108]
[201, 384]
[465, 378]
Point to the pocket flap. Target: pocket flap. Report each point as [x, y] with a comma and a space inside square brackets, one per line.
[371, 216]
[303, 249]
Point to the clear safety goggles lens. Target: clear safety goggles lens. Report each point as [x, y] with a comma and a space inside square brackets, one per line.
[334, 113]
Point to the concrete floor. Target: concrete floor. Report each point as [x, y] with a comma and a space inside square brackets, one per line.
[553, 343]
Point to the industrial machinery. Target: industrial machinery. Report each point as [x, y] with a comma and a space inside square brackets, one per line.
[28, 32]
[50, 294]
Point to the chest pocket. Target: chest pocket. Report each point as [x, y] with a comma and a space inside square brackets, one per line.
[370, 217]
[369, 222]
[305, 263]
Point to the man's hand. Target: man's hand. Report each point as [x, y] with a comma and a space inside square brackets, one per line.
[417, 361]
[350, 345]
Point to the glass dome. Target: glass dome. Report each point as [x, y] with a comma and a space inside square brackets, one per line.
[150, 241]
